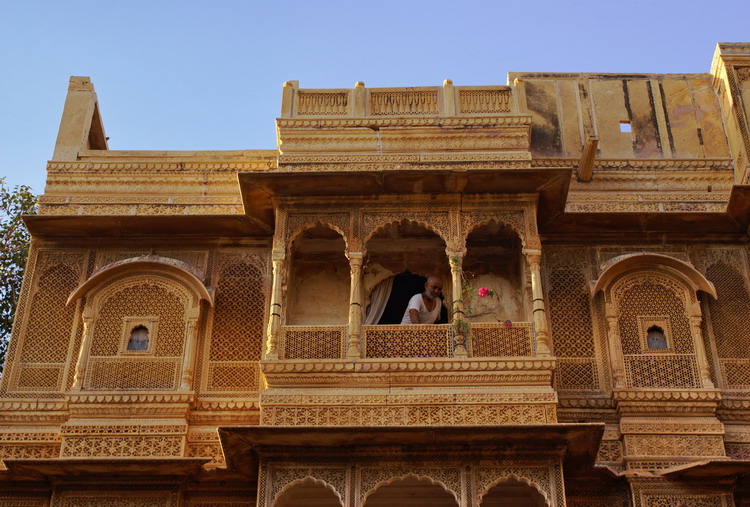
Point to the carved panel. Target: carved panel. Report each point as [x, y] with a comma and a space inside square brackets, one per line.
[499, 340]
[674, 445]
[405, 415]
[313, 342]
[398, 103]
[121, 446]
[111, 495]
[417, 340]
[328, 103]
[239, 314]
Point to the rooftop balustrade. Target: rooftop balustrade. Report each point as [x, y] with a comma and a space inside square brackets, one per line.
[358, 102]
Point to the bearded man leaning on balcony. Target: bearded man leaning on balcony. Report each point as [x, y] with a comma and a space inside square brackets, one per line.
[424, 308]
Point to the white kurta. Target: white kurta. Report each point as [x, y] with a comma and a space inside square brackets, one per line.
[425, 316]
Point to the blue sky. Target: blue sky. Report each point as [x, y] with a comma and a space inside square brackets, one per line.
[197, 75]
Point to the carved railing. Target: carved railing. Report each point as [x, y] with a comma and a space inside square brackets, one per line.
[484, 100]
[413, 340]
[322, 103]
[312, 342]
[446, 100]
[126, 373]
[500, 340]
[662, 370]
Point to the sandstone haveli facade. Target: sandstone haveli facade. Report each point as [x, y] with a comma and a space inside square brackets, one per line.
[216, 327]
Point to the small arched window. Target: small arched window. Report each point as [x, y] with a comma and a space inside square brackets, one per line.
[655, 338]
[139, 338]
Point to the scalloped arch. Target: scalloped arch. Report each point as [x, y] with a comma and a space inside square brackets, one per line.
[629, 263]
[516, 478]
[155, 263]
[521, 234]
[313, 223]
[317, 482]
[427, 478]
[416, 221]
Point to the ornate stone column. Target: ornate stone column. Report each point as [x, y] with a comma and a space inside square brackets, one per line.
[700, 349]
[460, 325]
[617, 362]
[274, 320]
[188, 359]
[534, 257]
[355, 303]
[83, 353]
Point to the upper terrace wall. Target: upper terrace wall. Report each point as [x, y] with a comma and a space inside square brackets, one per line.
[634, 116]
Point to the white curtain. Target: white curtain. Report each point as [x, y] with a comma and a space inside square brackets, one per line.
[378, 300]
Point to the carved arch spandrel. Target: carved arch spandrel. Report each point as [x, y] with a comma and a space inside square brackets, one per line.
[521, 220]
[296, 223]
[621, 267]
[417, 477]
[297, 482]
[150, 264]
[437, 222]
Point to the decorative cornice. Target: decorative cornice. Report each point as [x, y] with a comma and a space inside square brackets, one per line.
[407, 365]
[490, 121]
[404, 158]
[640, 164]
[227, 405]
[666, 395]
[160, 167]
[115, 397]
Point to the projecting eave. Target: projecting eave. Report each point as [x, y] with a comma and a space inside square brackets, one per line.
[578, 443]
[725, 470]
[735, 219]
[260, 189]
[118, 226]
[108, 467]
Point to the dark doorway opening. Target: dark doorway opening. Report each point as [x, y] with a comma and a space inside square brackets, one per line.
[405, 285]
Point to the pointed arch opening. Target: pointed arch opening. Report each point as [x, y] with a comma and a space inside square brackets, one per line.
[318, 266]
[401, 256]
[494, 260]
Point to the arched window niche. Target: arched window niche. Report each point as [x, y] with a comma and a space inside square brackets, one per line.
[401, 255]
[494, 261]
[139, 338]
[318, 266]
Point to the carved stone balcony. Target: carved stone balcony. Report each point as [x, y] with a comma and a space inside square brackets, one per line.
[496, 340]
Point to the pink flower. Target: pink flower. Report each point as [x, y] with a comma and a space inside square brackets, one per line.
[508, 323]
[483, 292]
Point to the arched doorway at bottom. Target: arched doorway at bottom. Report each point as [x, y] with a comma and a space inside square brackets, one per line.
[410, 491]
[307, 492]
[512, 492]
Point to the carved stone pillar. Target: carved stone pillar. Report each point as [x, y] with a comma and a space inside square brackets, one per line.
[615, 351]
[188, 359]
[355, 303]
[274, 320]
[700, 349]
[83, 353]
[539, 314]
[460, 326]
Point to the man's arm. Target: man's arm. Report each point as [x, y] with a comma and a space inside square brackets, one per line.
[414, 316]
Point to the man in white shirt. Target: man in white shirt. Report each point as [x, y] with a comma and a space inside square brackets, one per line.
[424, 308]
